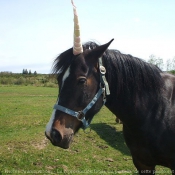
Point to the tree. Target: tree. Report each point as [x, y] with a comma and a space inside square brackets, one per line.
[156, 61]
[25, 71]
[173, 63]
[35, 73]
[159, 63]
[170, 64]
[152, 59]
[30, 72]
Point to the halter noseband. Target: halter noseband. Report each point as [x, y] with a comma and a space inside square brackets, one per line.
[104, 89]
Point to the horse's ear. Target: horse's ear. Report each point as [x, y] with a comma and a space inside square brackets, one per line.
[98, 52]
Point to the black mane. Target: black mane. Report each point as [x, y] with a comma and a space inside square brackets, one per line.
[132, 75]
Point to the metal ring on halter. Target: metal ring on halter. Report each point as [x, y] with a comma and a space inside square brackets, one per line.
[102, 70]
[81, 115]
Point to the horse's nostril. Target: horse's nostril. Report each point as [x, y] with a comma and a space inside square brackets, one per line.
[56, 136]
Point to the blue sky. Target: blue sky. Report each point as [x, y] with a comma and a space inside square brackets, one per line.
[34, 32]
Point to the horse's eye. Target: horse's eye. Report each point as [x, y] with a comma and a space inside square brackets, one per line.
[81, 80]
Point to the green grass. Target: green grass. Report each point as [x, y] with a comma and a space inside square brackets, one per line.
[24, 113]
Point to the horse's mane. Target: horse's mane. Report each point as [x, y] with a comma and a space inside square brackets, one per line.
[132, 75]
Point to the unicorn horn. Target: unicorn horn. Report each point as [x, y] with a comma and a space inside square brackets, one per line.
[77, 46]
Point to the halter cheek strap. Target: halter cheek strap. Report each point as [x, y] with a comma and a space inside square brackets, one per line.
[80, 115]
[104, 90]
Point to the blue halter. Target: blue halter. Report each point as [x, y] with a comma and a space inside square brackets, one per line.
[104, 90]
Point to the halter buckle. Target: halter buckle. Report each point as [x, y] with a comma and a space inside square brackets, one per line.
[80, 115]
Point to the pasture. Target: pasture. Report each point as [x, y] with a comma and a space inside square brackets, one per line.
[24, 113]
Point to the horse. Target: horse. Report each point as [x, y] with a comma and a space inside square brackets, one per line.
[138, 93]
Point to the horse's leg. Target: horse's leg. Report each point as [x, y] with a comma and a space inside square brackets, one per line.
[143, 169]
[172, 167]
[173, 170]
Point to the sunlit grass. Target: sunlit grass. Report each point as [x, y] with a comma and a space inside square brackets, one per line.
[24, 112]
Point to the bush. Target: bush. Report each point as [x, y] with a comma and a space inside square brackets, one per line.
[172, 71]
[28, 79]
[49, 84]
[4, 81]
[20, 81]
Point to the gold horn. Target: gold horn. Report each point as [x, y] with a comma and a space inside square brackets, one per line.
[77, 46]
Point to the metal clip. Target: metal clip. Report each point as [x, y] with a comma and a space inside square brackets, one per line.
[106, 85]
[104, 96]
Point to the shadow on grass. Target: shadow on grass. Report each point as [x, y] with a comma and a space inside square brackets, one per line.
[113, 137]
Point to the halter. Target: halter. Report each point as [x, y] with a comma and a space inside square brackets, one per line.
[104, 90]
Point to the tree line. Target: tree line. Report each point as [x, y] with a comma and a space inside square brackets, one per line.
[46, 80]
[168, 66]
[25, 71]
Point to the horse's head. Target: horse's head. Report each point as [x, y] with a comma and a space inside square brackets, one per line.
[80, 95]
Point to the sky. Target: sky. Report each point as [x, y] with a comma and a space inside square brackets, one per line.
[34, 32]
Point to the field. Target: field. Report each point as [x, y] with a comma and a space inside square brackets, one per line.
[24, 113]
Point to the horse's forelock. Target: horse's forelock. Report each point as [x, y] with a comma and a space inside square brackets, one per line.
[63, 61]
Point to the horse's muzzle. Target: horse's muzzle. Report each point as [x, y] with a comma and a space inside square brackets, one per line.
[59, 139]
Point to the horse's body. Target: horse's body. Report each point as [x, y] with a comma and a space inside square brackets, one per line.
[141, 95]
[152, 140]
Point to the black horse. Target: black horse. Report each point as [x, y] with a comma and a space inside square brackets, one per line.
[139, 93]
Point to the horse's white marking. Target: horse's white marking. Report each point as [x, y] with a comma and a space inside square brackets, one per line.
[66, 74]
[49, 125]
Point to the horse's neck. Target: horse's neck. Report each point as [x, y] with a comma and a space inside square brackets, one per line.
[132, 100]
[128, 110]
[120, 108]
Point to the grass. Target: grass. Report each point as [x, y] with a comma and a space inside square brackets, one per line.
[24, 112]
